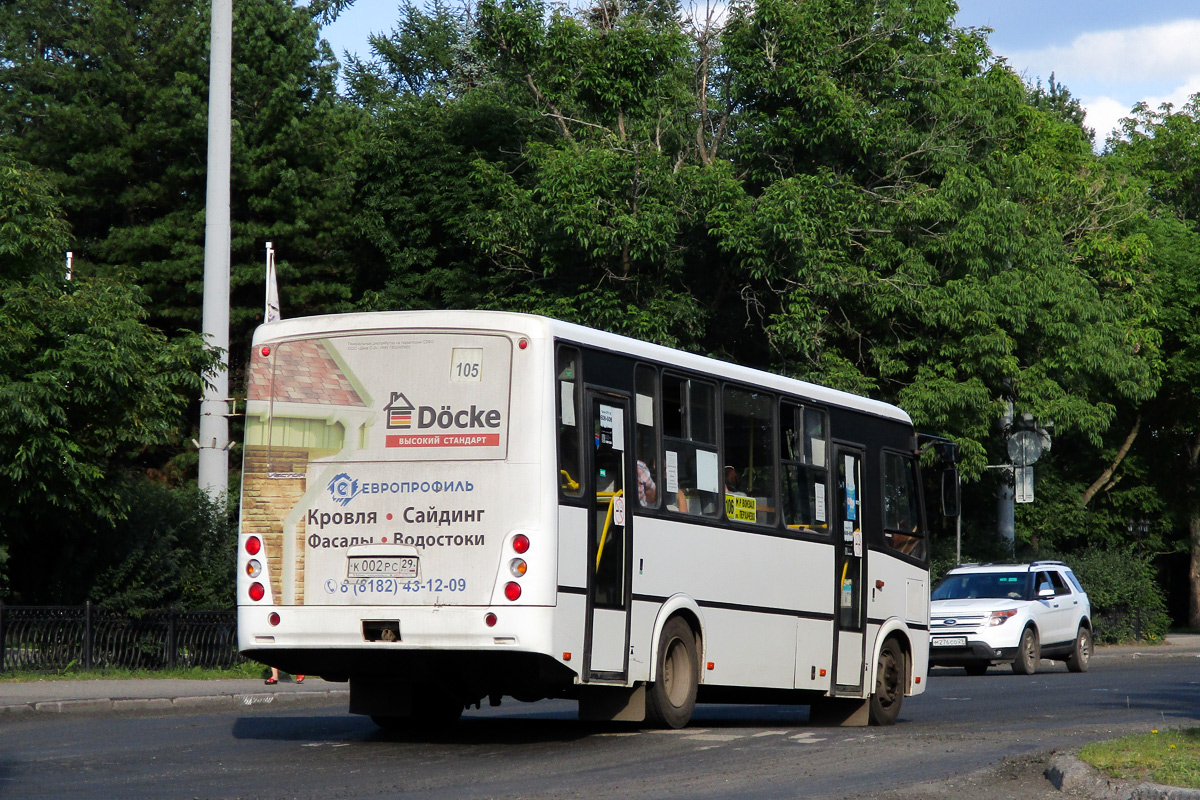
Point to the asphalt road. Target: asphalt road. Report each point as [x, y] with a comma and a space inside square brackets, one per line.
[966, 737]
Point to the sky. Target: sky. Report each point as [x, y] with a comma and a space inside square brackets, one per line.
[1110, 54]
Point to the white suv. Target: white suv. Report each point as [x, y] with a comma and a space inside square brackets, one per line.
[1004, 613]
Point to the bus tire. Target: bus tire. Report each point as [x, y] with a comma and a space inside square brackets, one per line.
[435, 710]
[1029, 653]
[392, 724]
[671, 699]
[889, 684]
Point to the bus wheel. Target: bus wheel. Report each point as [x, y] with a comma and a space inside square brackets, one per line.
[889, 685]
[671, 699]
[392, 724]
[436, 710]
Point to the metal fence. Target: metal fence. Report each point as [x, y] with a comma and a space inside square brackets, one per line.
[86, 637]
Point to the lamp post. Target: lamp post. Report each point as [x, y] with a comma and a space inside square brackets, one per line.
[1138, 528]
[214, 407]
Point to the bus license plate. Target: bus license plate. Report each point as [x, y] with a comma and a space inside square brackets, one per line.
[949, 641]
[382, 567]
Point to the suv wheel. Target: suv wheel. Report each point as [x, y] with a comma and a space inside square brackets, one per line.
[1082, 652]
[1029, 652]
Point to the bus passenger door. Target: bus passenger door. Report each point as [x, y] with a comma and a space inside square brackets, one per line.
[606, 639]
[850, 567]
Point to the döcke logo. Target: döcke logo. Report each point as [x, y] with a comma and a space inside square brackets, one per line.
[462, 419]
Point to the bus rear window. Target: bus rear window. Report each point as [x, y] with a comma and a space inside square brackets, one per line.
[570, 451]
[380, 397]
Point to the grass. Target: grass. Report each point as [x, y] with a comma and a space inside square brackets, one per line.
[1167, 757]
[71, 673]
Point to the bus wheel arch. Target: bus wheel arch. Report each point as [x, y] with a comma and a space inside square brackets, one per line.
[891, 678]
[676, 606]
[671, 696]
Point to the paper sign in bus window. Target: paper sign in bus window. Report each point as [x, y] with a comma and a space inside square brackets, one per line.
[612, 427]
[617, 418]
[707, 473]
[672, 472]
[741, 509]
[851, 489]
[644, 410]
[566, 390]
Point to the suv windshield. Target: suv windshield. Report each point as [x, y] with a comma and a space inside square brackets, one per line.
[964, 586]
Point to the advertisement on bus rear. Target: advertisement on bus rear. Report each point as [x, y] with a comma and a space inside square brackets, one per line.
[372, 464]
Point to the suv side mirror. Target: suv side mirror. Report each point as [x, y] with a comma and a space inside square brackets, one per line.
[1046, 591]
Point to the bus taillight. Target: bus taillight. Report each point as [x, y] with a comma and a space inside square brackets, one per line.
[512, 590]
[517, 567]
[520, 543]
[253, 545]
[257, 592]
[489, 619]
[253, 568]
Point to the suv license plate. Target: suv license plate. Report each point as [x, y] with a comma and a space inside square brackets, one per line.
[381, 567]
[949, 641]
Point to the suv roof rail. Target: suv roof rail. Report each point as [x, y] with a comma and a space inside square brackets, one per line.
[1047, 562]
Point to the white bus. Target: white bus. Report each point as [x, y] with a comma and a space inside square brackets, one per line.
[442, 507]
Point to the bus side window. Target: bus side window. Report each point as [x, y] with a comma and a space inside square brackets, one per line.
[570, 469]
[749, 456]
[805, 477]
[649, 477]
[901, 505]
[691, 474]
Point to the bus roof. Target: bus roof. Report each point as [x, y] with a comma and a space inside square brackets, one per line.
[545, 327]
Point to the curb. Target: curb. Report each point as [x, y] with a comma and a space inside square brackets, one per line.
[1069, 773]
[107, 705]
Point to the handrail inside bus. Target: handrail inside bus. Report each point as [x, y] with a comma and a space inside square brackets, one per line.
[612, 496]
[569, 482]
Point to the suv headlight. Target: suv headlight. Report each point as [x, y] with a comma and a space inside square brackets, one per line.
[1000, 617]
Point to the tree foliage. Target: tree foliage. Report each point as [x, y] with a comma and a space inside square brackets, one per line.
[109, 98]
[857, 193]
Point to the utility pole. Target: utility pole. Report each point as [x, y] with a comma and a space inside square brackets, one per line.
[1005, 501]
[214, 407]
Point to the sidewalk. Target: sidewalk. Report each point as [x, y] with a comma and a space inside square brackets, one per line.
[166, 694]
[159, 694]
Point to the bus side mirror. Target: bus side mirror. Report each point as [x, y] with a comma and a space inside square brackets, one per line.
[947, 453]
[951, 498]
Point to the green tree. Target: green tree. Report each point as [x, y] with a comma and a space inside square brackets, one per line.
[109, 97]
[1159, 147]
[33, 234]
[86, 391]
[852, 192]
[931, 235]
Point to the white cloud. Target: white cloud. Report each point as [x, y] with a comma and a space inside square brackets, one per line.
[1104, 112]
[1152, 53]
